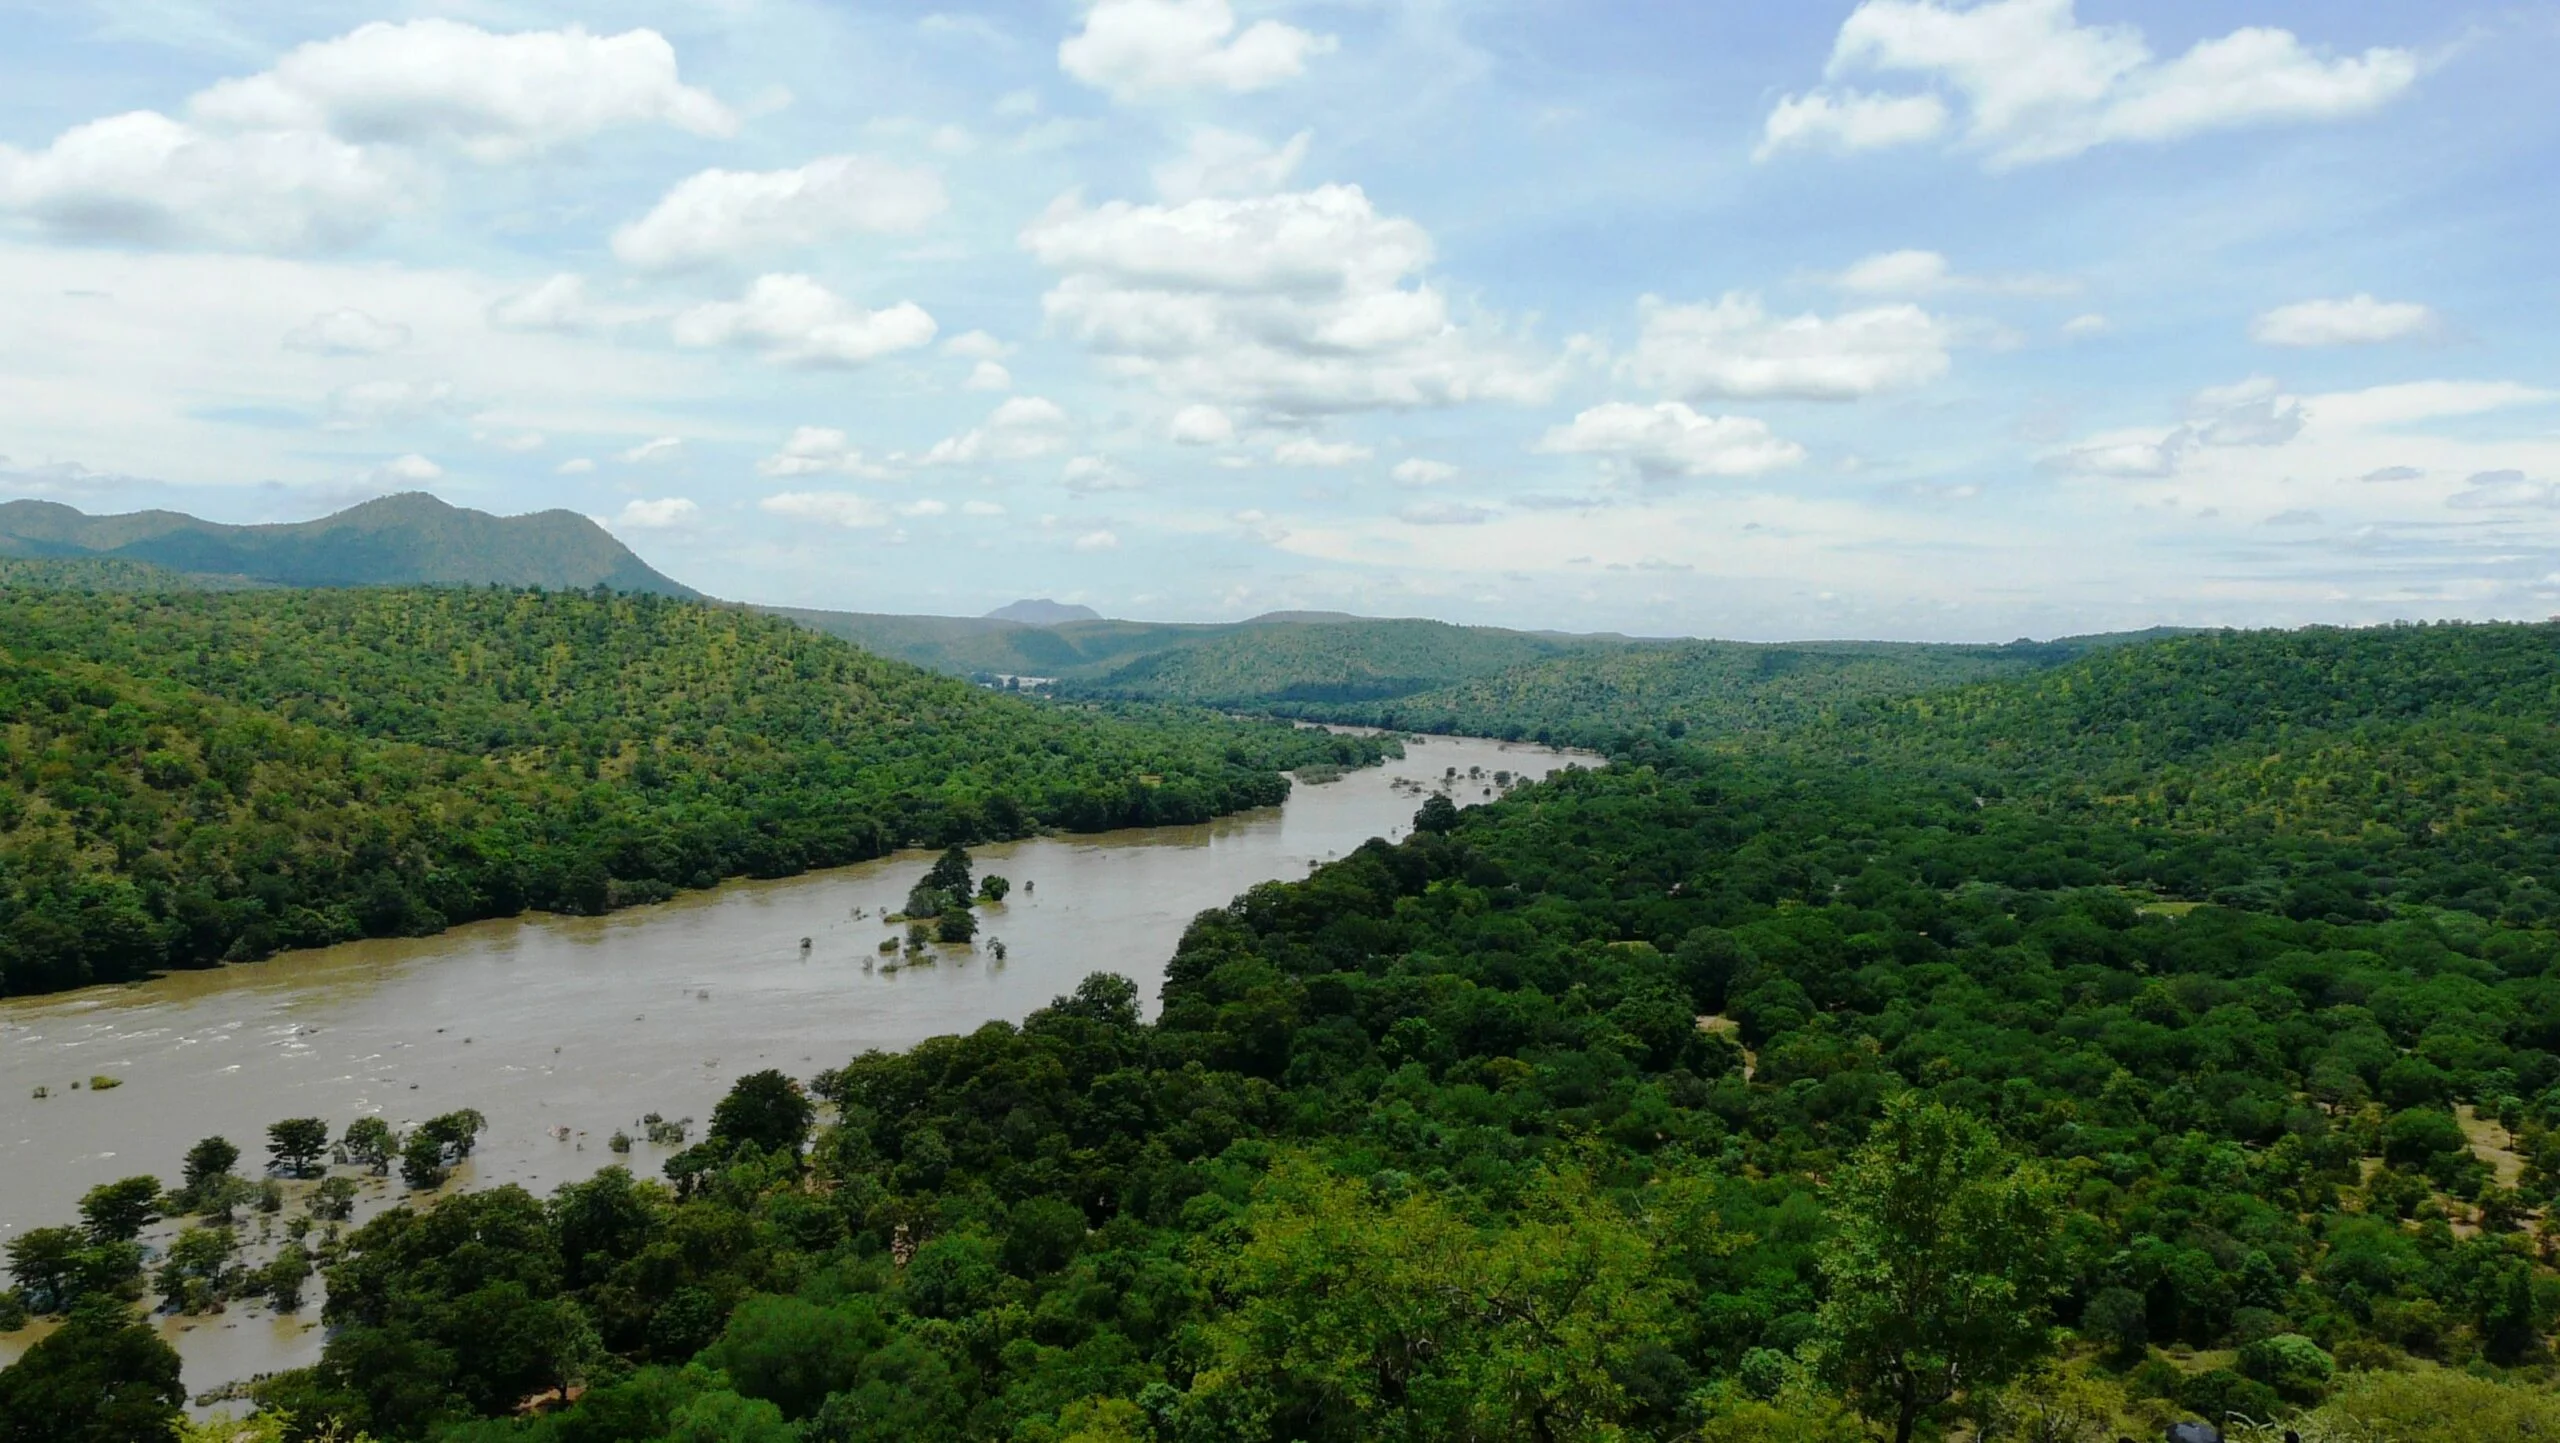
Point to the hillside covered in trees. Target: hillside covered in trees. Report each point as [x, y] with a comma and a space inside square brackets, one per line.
[1927, 1070]
[199, 777]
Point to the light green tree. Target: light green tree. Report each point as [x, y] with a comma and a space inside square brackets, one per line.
[1943, 1260]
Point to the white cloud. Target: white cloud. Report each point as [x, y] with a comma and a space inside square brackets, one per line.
[925, 507]
[1021, 428]
[657, 515]
[976, 346]
[1417, 471]
[648, 453]
[988, 376]
[385, 403]
[834, 508]
[497, 97]
[1086, 474]
[1735, 348]
[980, 508]
[520, 442]
[1443, 513]
[412, 469]
[1306, 451]
[725, 215]
[576, 466]
[811, 450]
[1850, 121]
[559, 304]
[2357, 320]
[794, 319]
[1097, 541]
[2253, 412]
[2037, 84]
[1229, 163]
[2504, 490]
[1135, 48]
[318, 151]
[1669, 439]
[346, 332]
[145, 178]
[1291, 303]
[1924, 273]
[2089, 324]
[1201, 426]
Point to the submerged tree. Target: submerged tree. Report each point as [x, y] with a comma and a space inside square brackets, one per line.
[117, 1212]
[1942, 1262]
[294, 1145]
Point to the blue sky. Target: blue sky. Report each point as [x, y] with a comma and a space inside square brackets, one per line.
[1897, 319]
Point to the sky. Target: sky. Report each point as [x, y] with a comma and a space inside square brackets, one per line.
[1906, 319]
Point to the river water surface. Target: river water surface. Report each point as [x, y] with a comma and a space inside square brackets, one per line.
[562, 1029]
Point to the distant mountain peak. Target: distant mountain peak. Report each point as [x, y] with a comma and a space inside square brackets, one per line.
[408, 539]
[1043, 612]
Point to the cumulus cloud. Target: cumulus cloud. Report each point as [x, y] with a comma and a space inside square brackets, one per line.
[832, 508]
[1306, 451]
[318, 151]
[1419, 471]
[1018, 430]
[724, 215]
[1849, 120]
[1201, 426]
[1137, 48]
[656, 515]
[1669, 439]
[412, 470]
[988, 376]
[2253, 412]
[346, 333]
[1086, 474]
[2357, 320]
[812, 450]
[1302, 302]
[560, 303]
[1735, 348]
[143, 178]
[2081, 327]
[650, 453]
[794, 319]
[386, 403]
[1230, 163]
[496, 97]
[2035, 84]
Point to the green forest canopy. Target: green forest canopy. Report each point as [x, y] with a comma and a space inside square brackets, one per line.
[192, 778]
[2140, 1099]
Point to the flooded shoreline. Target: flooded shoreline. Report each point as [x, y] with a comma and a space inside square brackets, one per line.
[562, 1029]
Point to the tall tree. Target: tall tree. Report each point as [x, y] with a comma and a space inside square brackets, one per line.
[295, 1144]
[1940, 1267]
[102, 1378]
[117, 1212]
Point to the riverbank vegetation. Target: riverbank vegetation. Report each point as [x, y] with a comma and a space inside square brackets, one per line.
[193, 778]
[2175, 1033]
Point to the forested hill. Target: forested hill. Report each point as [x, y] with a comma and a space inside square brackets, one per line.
[194, 777]
[1325, 663]
[1890, 1083]
[1595, 696]
[406, 540]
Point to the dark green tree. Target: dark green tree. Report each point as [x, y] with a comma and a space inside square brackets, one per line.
[422, 1164]
[1439, 815]
[117, 1212]
[295, 1145]
[103, 1377]
[766, 1111]
[207, 1174]
[370, 1143]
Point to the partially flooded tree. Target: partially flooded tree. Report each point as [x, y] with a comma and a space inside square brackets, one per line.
[294, 1145]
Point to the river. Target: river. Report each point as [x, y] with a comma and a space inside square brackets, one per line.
[562, 1029]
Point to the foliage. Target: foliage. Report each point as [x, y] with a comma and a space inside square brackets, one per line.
[295, 1145]
[100, 1378]
[1941, 1265]
[192, 778]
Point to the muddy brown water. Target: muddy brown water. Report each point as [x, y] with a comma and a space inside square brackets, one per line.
[562, 1029]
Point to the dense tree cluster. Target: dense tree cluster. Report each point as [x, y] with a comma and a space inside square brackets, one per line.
[188, 779]
[1884, 1083]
